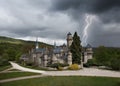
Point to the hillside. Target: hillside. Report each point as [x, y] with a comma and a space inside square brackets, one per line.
[9, 40]
[22, 42]
[12, 49]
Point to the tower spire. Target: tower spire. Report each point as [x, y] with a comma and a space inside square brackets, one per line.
[37, 46]
[54, 44]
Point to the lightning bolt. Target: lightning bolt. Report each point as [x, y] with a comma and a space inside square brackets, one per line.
[88, 20]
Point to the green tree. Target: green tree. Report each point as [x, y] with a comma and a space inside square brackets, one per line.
[101, 55]
[76, 49]
[18, 55]
[11, 53]
[5, 56]
[115, 63]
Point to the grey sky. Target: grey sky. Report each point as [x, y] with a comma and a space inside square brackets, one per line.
[51, 20]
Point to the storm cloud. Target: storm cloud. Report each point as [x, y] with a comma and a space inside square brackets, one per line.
[53, 19]
[105, 28]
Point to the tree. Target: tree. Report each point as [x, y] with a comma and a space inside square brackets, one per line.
[5, 56]
[17, 57]
[11, 53]
[101, 55]
[115, 63]
[76, 49]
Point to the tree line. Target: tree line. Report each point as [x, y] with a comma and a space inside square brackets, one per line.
[107, 56]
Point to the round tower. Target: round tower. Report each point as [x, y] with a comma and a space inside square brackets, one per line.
[69, 39]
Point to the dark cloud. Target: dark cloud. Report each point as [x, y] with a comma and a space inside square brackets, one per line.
[101, 8]
[87, 5]
[104, 31]
[105, 5]
[53, 19]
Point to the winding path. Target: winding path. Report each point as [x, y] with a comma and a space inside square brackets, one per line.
[83, 72]
[18, 67]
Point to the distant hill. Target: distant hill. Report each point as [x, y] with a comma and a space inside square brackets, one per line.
[11, 49]
[22, 42]
[10, 40]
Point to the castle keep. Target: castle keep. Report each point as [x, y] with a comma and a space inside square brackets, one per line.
[59, 54]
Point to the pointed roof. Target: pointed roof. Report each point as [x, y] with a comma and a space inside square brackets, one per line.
[69, 33]
[88, 46]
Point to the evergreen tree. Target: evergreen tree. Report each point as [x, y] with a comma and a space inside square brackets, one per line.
[76, 49]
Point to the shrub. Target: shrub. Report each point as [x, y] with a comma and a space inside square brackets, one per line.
[3, 62]
[115, 63]
[57, 65]
[90, 62]
[29, 64]
[74, 67]
[60, 68]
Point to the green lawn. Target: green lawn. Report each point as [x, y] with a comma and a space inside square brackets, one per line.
[36, 68]
[66, 81]
[15, 74]
[4, 67]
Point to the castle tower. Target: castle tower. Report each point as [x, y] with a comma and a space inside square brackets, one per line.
[69, 39]
[89, 51]
[45, 60]
[69, 58]
[54, 59]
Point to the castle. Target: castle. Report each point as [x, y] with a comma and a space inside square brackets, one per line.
[59, 54]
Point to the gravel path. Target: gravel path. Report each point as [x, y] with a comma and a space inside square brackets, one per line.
[86, 72]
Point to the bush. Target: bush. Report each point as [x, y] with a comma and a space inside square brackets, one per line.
[60, 68]
[29, 64]
[74, 67]
[90, 62]
[115, 63]
[57, 65]
[3, 62]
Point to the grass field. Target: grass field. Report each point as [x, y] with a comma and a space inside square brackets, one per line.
[15, 74]
[36, 68]
[4, 67]
[66, 81]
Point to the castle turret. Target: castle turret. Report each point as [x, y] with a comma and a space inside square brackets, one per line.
[88, 53]
[69, 39]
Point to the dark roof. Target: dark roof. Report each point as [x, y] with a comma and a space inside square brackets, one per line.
[64, 45]
[69, 33]
[57, 50]
[39, 50]
[88, 46]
